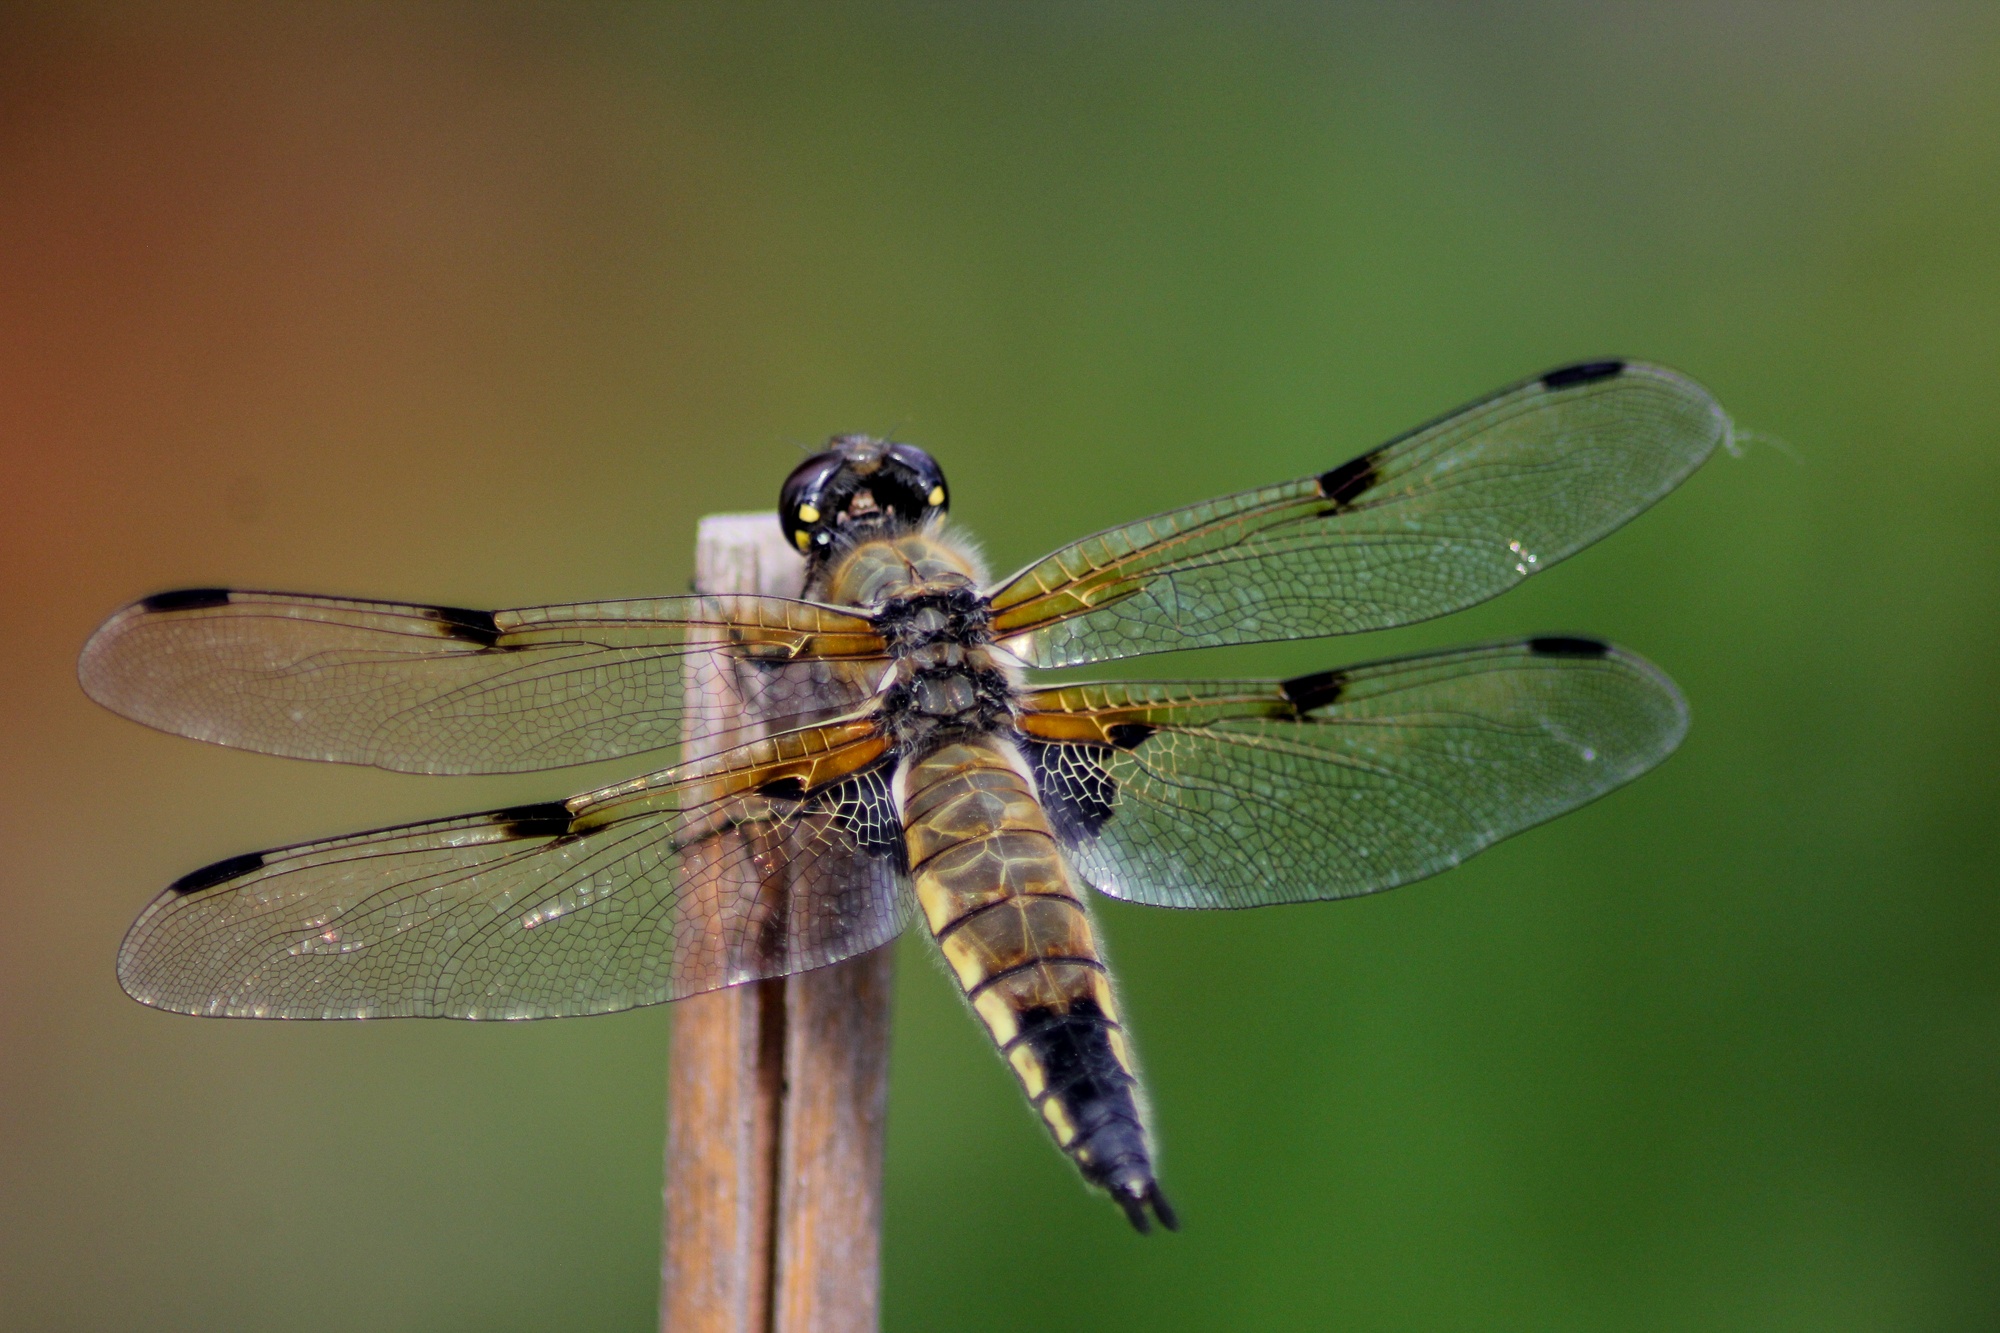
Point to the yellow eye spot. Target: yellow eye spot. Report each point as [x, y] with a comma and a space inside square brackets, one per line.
[808, 514]
[936, 497]
[803, 539]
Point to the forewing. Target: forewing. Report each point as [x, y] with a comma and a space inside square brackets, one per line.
[1449, 515]
[1245, 793]
[438, 689]
[771, 859]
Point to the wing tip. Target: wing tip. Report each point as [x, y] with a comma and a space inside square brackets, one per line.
[98, 669]
[1580, 647]
[1581, 374]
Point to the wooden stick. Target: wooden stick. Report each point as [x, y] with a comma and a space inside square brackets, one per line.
[777, 1097]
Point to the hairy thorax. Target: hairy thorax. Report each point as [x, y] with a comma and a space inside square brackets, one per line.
[922, 589]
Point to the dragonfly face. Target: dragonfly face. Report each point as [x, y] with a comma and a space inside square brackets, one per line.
[894, 760]
[858, 488]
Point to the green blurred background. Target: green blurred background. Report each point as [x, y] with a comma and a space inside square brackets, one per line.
[488, 304]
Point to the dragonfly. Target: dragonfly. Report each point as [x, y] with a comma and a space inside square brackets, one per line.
[882, 750]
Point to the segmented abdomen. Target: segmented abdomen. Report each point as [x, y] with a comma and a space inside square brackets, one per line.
[1000, 900]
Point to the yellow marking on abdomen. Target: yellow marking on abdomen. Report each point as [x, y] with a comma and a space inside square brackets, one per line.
[998, 896]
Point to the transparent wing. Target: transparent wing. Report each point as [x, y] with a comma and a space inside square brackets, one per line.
[1446, 516]
[438, 689]
[774, 858]
[1244, 793]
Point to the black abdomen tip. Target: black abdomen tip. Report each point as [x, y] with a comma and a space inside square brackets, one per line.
[1583, 372]
[1136, 1202]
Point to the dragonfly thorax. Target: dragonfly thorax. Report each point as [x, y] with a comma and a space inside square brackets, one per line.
[941, 610]
[947, 683]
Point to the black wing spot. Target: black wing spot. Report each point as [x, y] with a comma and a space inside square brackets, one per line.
[545, 819]
[1321, 688]
[1345, 484]
[187, 599]
[1557, 645]
[1128, 735]
[1077, 794]
[784, 789]
[236, 867]
[1583, 372]
[471, 626]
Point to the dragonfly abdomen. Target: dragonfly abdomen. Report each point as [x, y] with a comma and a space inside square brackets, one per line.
[1005, 911]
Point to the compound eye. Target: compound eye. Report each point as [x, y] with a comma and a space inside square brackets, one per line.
[802, 501]
[923, 479]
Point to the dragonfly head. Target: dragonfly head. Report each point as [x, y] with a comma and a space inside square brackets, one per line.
[859, 485]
